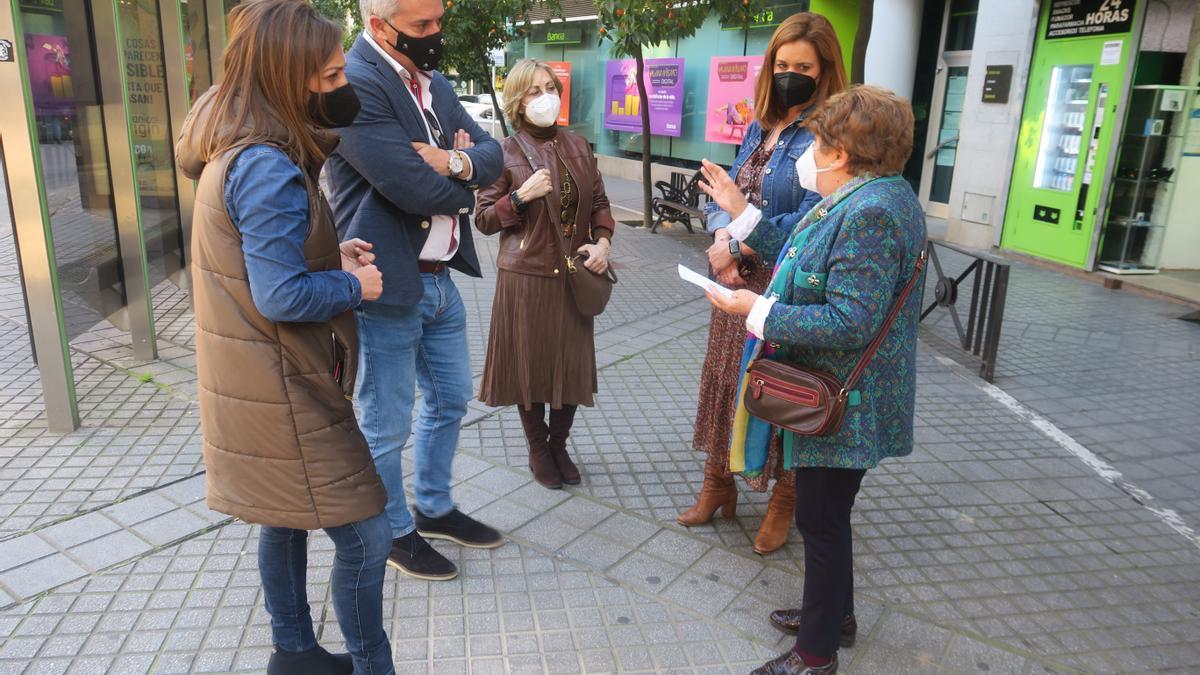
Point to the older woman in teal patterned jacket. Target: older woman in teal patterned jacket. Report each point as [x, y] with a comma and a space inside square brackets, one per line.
[840, 272]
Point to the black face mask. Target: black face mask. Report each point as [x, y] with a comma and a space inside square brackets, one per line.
[794, 89]
[425, 52]
[334, 109]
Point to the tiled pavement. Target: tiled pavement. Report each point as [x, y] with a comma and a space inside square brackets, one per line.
[992, 548]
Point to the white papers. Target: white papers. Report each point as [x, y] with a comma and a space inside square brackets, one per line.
[1111, 54]
[703, 281]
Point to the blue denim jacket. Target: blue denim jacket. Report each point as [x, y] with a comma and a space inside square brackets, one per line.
[268, 203]
[783, 201]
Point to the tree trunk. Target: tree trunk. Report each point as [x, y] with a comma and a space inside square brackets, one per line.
[644, 98]
[496, 109]
[866, 15]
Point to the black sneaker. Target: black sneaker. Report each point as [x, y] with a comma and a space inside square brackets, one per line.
[459, 528]
[413, 556]
[316, 661]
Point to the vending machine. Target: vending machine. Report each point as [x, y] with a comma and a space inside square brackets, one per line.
[1077, 78]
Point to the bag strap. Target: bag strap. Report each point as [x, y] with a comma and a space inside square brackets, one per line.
[869, 354]
[568, 255]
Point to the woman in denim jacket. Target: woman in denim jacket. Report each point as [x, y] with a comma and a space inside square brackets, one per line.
[802, 67]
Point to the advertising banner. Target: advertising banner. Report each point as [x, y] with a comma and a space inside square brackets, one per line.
[730, 97]
[562, 69]
[1076, 18]
[50, 75]
[664, 89]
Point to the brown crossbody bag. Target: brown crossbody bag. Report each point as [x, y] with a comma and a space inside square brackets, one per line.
[808, 401]
[590, 290]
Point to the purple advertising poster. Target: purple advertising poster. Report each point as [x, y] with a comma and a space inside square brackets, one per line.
[664, 88]
[50, 74]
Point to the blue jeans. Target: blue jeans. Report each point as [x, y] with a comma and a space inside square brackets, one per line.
[360, 558]
[403, 348]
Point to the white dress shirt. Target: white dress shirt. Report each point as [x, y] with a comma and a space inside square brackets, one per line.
[443, 229]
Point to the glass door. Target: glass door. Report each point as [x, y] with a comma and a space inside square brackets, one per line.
[941, 157]
[949, 94]
[150, 132]
[64, 86]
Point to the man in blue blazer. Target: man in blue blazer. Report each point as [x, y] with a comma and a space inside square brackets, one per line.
[403, 178]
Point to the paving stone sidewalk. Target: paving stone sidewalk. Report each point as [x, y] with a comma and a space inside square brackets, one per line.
[993, 548]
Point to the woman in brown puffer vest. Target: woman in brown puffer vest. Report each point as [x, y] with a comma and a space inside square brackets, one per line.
[275, 339]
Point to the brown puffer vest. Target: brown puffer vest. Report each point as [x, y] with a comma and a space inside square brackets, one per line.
[281, 443]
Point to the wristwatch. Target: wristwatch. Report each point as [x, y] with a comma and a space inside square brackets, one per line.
[518, 203]
[735, 248]
[456, 162]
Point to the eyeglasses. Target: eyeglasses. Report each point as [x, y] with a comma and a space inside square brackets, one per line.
[438, 137]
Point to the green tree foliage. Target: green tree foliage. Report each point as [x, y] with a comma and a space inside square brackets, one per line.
[635, 25]
[345, 12]
[474, 29]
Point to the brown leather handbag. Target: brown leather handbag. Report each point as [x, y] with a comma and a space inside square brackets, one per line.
[808, 401]
[590, 290]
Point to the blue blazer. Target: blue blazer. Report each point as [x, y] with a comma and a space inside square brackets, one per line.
[783, 201]
[383, 192]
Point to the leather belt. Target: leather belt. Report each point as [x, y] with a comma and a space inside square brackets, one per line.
[427, 267]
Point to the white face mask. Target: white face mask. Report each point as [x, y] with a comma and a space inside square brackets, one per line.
[543, 110]
[806, 170]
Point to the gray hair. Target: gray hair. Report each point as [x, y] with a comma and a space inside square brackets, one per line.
[383, 9]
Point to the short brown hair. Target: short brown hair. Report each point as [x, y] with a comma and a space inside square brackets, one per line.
[816, 31]
[873, 125]
[519, 80]
[275, 46]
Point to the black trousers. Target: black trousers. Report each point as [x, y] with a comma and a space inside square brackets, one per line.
[824, 498]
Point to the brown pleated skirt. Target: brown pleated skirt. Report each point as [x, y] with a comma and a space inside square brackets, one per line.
[540, 349]
[719, 383]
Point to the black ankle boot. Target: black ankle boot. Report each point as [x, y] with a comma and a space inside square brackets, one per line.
[315, 661]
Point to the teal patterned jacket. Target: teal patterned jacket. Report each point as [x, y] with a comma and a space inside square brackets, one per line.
[855, 252]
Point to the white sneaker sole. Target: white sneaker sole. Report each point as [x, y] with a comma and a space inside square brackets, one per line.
[446, 537]
[423, 577]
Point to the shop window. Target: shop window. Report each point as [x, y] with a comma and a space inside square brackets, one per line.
[960, 27]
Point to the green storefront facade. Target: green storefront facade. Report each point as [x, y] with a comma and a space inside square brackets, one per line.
[1102, 138]
[582, 47]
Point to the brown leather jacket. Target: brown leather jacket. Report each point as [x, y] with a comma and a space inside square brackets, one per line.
[530, 242]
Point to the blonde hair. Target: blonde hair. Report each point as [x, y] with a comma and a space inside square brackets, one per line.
[872, 124]
[519, 80]
[816, 31]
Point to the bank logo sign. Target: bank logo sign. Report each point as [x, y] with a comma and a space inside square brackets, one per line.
[1085, 18]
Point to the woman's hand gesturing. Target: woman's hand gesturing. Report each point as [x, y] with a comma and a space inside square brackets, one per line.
[721, 189]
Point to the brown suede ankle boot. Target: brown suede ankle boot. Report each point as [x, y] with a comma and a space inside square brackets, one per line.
[718, 492]
[561, 421]
[781, 510]
[541, 463]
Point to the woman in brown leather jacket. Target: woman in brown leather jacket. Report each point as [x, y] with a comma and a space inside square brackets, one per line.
[541, 349]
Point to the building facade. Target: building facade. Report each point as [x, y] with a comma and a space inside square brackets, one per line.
[1056, 128]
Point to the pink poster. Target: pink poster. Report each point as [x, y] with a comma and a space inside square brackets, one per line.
[731, 82]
